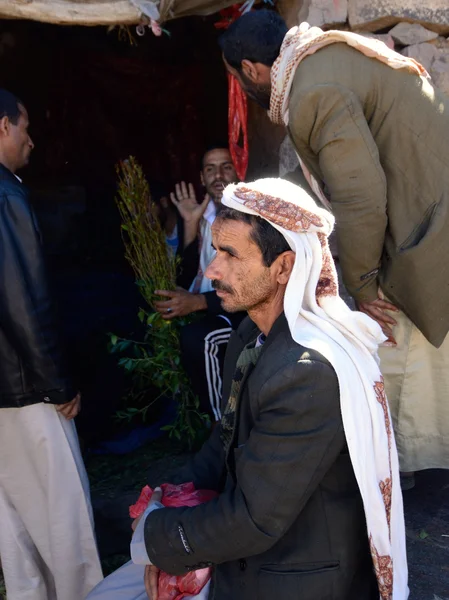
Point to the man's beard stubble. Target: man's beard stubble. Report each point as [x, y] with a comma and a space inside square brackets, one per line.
[256, 294]
[256, 93]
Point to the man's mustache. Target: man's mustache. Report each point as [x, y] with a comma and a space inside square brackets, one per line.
[219, 285]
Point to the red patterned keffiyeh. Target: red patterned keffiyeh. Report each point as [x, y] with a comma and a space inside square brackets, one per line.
[319, 319]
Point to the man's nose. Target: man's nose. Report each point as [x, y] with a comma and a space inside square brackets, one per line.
[212, 271]
[30, 143]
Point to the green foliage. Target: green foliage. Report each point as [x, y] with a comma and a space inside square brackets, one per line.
[156, 360]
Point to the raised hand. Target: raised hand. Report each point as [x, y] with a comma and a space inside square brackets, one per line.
[185, 201]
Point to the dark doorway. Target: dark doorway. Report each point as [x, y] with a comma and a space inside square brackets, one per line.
[94, 99]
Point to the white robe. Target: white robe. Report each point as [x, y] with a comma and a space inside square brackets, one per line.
[47, 542]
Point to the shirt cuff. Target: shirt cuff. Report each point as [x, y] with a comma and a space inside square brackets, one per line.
[139, 554]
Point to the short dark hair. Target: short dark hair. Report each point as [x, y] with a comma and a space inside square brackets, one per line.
[10, 106]
[216, 146]
[256, 36]
[269, 240]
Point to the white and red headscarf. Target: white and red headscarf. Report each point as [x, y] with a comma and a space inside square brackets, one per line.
[319, 319]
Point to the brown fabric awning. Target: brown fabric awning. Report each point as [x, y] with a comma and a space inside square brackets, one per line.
[103, 12]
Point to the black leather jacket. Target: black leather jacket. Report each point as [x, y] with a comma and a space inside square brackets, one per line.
[30, 360]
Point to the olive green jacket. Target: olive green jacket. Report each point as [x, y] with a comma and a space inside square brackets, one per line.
[378, 140]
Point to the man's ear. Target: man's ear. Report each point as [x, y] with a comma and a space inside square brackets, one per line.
[202, 178]
[286, 262]
[5, 125]
[250, 71]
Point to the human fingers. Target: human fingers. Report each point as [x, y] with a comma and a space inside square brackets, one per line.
[162, 304]
[156, 495]
[63, 409]
[184, 191]
[165, 293]
[169, 314]
[379, 315]
[390, 341]
[384, 305]
[146, 580]
[174, 199]
[166, 310]
[204, 203]
[72, 411]
[386, 329]
[151, 579]
[154, 580]
[135, 523]
[192, 191]
[75, 409]
[68, 410]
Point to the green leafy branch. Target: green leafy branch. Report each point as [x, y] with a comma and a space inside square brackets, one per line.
[155, 360]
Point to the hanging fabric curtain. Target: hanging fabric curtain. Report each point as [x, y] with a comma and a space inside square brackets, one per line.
[238, 127]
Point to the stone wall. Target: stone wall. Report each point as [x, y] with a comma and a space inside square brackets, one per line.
[415, 28]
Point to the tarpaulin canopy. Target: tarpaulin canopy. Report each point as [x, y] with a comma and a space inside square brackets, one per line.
[106, 12]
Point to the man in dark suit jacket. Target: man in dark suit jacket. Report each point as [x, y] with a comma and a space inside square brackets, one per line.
[289, 521]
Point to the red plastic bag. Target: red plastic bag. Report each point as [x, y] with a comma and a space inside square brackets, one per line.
[238, 126]
[172, 496]
[173, 587]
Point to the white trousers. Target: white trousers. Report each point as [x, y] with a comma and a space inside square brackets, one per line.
[47, 541]
[417, 384]
[127, 584]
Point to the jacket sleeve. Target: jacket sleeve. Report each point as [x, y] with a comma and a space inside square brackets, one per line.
[26, 311]
[329, 120]
[296, 438]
